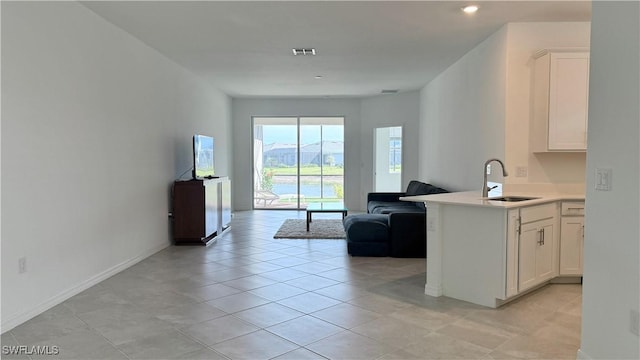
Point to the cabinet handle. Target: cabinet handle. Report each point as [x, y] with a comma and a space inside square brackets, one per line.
[543, 236]
[575, 208]
[540, 237]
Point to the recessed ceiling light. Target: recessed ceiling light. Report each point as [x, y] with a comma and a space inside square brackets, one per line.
[389, 91]
[318, 77]
[470, 9]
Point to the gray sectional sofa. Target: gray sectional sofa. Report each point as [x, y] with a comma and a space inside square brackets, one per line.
[390, 227]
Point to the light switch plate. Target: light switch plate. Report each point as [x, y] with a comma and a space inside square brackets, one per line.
[604, 178]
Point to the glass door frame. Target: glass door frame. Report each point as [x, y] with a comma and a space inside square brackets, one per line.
[299, 124]
[378, 149]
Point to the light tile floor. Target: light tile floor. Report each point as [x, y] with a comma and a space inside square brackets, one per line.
[249, 296]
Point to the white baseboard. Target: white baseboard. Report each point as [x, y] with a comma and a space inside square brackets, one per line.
[581, 355]
[14, 321]
[433, 290]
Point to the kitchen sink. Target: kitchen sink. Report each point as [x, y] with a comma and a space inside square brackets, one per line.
[512, 198]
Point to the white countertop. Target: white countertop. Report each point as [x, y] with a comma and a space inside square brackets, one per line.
[474, 198]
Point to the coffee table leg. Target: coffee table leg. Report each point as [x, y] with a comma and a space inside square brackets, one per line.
[308, 219]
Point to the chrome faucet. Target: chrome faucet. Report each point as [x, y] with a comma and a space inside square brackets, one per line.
[485, 187]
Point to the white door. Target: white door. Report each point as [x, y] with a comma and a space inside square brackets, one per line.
[387, 160]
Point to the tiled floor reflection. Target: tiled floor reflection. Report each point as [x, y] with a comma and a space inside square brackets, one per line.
[249, 296]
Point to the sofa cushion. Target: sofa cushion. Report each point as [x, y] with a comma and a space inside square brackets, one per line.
[367, 227]
[367, 234]
[414, 188]
[420, 188]
[374, 207]
[412, 208]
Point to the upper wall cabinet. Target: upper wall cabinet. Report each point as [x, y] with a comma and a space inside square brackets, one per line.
[560, 101]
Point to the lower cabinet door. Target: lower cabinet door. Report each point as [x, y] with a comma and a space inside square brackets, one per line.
[537, 254]
[545, 259]
[529, 238]
[571, 245]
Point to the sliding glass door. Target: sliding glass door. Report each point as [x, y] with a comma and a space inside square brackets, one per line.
[297, 160]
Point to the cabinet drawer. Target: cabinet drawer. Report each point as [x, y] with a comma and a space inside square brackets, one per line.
[539, 212]
[572, 208]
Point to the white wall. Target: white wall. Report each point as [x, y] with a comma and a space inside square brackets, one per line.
[245, 109]
[611, 251]
[95, 127]
[462, 116]
[362, 116]
[480, 108]
[402, 109]
[523, 40]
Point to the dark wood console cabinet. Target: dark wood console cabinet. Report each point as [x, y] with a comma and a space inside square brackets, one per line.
[201, 210]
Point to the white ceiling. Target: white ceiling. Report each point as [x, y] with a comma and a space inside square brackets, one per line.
[363, 47]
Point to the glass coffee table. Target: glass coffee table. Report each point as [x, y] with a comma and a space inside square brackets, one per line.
[328, 207]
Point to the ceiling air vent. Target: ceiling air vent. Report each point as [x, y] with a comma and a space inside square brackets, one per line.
[389, 91]
[304, 51]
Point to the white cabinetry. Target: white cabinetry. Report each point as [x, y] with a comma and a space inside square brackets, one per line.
[513, 240]
[571, 238]
[531, 246]
[560, 101]
[502, 250]
[536, 255]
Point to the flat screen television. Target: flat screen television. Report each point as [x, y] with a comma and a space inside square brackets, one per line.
[203, 157]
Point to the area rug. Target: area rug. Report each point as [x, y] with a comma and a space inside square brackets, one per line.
[318, 229]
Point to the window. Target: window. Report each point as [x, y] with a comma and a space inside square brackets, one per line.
[395, 150]
[297, 161]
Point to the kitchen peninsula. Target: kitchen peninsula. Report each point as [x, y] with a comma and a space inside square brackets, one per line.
[489, 252]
